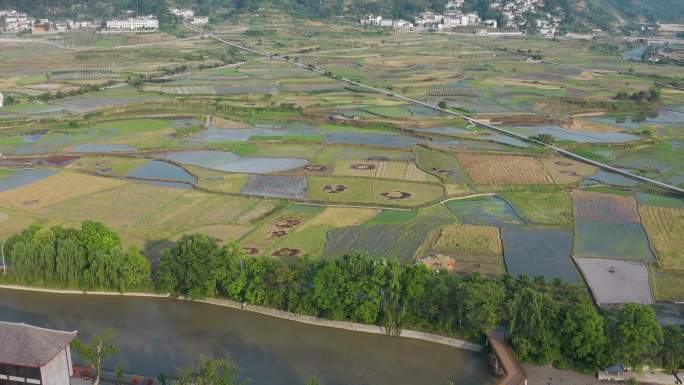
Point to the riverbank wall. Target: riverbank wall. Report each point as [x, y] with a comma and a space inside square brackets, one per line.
[301, 318]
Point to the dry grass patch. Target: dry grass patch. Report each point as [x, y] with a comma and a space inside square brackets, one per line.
[342, 217]
[258, 211]
[587, 125]
[55, 189]
[503, 169]
[472, 248]
[457, 189]
[564, 170]
[665, 229]
[219, 122]
[124, 205]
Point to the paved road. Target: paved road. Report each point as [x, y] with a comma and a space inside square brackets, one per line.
[463, 116]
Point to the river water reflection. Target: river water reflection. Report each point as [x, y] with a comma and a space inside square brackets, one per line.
[158, 335]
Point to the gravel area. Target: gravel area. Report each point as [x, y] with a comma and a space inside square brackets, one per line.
[547, 375]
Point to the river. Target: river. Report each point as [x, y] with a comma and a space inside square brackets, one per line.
[158, 335]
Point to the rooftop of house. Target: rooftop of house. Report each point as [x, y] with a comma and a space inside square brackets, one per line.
[27, 345]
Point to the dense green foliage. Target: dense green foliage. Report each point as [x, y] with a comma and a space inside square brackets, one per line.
[550, 322]
[95, 351]
[88, 258]
[209, 371]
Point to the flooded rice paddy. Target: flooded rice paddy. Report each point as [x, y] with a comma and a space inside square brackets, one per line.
[23, 177]
[163, 174]
[539, 251]
[230, 162]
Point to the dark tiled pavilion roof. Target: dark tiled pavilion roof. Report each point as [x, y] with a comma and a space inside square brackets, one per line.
[27, 345]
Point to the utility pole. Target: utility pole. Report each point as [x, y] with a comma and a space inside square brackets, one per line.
[2, 251]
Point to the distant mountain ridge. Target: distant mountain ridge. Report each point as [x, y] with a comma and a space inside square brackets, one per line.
[578, 15]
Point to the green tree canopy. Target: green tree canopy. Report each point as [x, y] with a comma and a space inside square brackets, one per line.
[637, 335]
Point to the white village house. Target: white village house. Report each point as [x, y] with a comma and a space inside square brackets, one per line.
[200, 20]
[135, 24]
[34, 355]
[184, 13]
[2, 99]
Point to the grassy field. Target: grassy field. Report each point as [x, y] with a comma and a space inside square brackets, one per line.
[667, 284]
[217, 181]
[549, 208]
[107, 165]
[442, 164]
[370, 191]
[390, 169]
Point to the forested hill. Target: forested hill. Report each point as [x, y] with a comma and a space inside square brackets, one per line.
[578, 14]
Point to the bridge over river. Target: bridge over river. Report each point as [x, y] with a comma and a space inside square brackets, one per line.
[514, 372]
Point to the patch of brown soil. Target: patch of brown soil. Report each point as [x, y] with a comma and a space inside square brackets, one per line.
[287, 252]
[563, 163]
[396, 195]
[288, 223]
[315, 168]
[586, 125]
[251, 250]
[334, 188]
[278, 233]
[439, 262]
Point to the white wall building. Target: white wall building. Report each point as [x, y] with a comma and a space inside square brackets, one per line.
[2, 99]
[386, 23]
[403, 25]
[200, 20]
[184, 13]
[371, 20]
[33, 355]
[135, 24]
[13, 21]
[454, 4]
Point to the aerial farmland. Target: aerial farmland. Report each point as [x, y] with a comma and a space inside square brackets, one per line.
[288, 163]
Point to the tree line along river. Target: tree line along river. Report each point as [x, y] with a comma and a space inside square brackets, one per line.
[159, 335]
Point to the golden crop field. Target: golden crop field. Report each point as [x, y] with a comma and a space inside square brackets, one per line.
[504, 169]
[665, 227]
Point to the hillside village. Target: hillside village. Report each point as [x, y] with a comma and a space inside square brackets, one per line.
[517, 15]
[14, 22]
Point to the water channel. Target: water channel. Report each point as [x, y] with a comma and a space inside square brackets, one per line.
[158, 335]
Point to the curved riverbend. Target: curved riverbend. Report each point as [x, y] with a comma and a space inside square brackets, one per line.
[158, 334]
